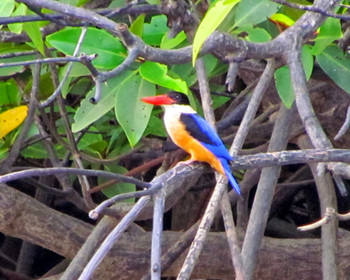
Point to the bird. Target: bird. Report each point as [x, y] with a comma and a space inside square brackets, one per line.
[194, 134]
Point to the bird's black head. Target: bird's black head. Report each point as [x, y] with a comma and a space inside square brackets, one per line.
[170, 98]
[179, 98]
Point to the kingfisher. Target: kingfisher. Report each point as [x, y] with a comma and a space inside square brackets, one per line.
[192, 133]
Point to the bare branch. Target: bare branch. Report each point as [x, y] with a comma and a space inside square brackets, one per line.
[157, 231]
[66, 75]
[345, 126]
[264, 195]
[311, 8]
[112, 238]
[62, 170]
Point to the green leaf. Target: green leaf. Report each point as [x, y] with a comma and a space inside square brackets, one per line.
[36, 150]
[156, 127]
[21, 10]
[78, 70]
[137, 25]
[153, 32]
[283, 80]
[186, 72]
[284, 86]
[133, 114]
[89, 139]
[34, 33]
[254, 34]
[119, 188]
[293, 13]
[87, 113]
[336, 65]
[308, 61]
[253, 12]
[210, 22]
[167, 43]
[157, 73]
[210, 63]
[6, 7]
[109, 49]
[9, 93]
[153, 2]
[219, 101]
[330, 30]
[8, 71]
[4, 149]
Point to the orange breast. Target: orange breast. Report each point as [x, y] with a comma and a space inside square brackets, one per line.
[198, 152]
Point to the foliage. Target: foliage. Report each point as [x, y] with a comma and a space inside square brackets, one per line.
[104, 132]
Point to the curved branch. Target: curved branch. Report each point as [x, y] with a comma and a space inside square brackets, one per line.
[67, 170]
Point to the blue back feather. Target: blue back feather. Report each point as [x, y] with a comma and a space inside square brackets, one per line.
[204, 133]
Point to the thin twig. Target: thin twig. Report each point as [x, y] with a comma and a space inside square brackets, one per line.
[157, 230]
[7, 163]
[231, 76]
[62, 170]
[311, 8]
[330, 214]
[344, 127]
[204, 226]
[44, 60]
[232, 237]
[204, 91]
[264, 194]
[66, 75]
[95, 213]
[112, 237]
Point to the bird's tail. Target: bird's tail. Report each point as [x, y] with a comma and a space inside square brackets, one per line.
[231, 179]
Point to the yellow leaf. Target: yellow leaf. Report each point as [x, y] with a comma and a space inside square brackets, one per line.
[11, 119]
[212, 19]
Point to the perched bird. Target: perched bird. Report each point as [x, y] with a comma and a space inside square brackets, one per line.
[193, 134]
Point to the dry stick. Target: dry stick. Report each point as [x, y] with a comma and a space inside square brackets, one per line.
[208, 217]
[85, 185]
[156, 252]
[176, 249]
[74, 197]
[204, 91]
[327, 197]
[225, 209]
[68, 170]
[232, 237]
[112, 237]
[311, 8]
[339, 168]
[330, 215]
[344, 127]
[57, 60]
[264, 195]
[7, 163]
[252, 109]
[319, 140]
[221, 185]
[90, 245]
[66, 75]
[232, 73]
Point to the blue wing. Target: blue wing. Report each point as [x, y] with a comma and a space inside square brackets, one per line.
[200, 129]
[204, 133]
[230, 177]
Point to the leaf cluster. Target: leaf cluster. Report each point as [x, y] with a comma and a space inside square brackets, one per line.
[70, 87]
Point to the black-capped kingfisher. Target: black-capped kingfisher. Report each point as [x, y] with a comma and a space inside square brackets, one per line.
[193, 134]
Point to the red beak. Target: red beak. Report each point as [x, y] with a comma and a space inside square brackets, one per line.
[158, 100]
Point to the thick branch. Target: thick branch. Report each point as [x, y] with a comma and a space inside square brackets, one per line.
[25, 218]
